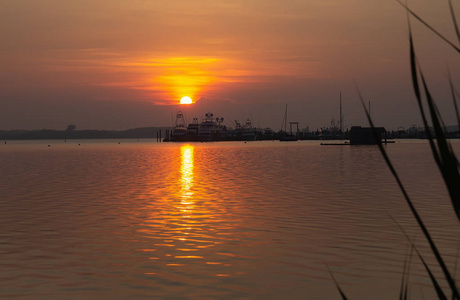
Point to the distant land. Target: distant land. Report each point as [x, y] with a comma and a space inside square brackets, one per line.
[151, 133]
[71, 133]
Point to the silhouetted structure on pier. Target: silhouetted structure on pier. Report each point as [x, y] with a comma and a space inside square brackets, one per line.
[365, 136]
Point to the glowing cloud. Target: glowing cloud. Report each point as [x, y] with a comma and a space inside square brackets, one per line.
[184, 76]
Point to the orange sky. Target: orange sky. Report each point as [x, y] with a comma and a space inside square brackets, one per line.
[122, 64]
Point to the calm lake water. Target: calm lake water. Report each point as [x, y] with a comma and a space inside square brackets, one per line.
[256, 220]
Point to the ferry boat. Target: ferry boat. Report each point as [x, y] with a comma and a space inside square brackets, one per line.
[211, 129]
[249, 133]
[179, 132]
[331, 133]
[192, 130]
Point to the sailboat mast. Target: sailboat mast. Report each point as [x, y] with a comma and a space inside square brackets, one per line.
[341, 127]
[285, 119]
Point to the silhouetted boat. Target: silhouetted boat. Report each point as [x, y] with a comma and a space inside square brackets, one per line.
[249, 133]
[210, 129]
[179, 133]
[192, 130]
[288, 138]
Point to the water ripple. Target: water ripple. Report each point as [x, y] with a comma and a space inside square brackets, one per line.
[219, 220]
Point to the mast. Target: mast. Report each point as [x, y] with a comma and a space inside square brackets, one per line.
[285, 119]
[341, 127]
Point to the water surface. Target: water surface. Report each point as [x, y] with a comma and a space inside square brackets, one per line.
[138, 219]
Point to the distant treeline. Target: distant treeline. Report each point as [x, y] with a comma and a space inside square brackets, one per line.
[49, 134]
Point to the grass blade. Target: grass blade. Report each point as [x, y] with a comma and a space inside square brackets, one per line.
[448, 163]
[403, 290]
[454, 98]
[455, 266]
[454, 19]
[418, 95]
[436, 285]
[428, 26]
[408, 270]
[337, 285]
[417, 217]
[445, 157]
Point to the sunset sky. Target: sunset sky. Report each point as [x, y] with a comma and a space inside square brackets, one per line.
[119, 64]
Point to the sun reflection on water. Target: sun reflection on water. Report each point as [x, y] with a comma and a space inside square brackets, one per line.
[188, 227]
[186, 174]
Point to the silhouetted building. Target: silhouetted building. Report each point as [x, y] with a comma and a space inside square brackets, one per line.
[365, 136]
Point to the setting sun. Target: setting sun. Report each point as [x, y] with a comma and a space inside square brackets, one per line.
[186, 100]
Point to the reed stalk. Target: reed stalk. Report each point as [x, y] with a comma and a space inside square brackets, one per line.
[442, 152]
